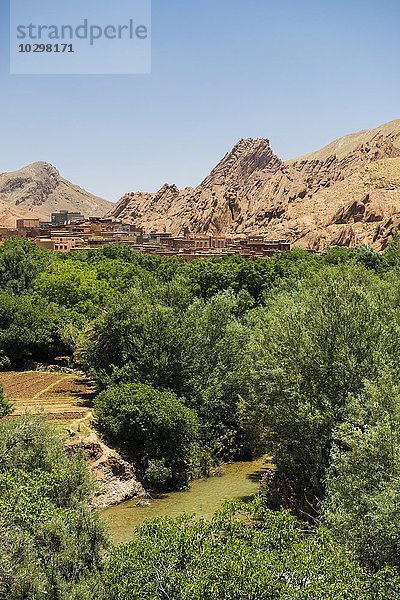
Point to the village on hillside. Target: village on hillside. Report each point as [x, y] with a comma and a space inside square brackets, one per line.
[71, 231]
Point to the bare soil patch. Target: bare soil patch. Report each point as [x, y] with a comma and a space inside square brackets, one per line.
[58, 396]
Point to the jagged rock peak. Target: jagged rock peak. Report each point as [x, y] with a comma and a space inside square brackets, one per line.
[42, 166]
[347, 193]
[247, 156]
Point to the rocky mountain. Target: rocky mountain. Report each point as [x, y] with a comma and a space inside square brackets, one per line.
[38, 190]
[348, 194]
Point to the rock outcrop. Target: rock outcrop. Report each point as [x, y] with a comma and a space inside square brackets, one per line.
[38, 190]
[115, 477]
[347, 193]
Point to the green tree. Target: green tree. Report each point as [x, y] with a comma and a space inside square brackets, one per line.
[391, 256]
[315, 346]
[73, 286]
[137, 339]
[369, 258]
[50, 537]
[217, 372]
[20, 263]
[363, 492]
[245, 551]
[5, 405]
[29, 329]
[155, 427]
[210, 277]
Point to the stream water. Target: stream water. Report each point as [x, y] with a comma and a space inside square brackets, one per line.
[203, 499]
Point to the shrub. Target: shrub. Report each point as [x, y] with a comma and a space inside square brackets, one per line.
[152, 426]
[5, 405]
[52, 543]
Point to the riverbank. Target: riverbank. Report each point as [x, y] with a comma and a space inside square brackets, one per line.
[203, 499]
[115, 478]
[65, 399]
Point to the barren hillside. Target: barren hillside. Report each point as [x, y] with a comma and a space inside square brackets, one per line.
[38, 189]
[347, 193]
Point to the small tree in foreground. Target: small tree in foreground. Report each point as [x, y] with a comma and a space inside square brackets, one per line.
[51, 543]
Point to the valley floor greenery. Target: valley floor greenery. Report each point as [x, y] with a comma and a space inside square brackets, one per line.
[197, 364]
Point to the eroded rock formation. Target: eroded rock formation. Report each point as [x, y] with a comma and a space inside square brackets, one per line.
[348, 193]
[115, 477]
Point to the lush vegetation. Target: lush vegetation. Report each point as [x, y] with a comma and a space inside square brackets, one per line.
[197, 364]
[156, 427]
[246, 551]
[51, 543]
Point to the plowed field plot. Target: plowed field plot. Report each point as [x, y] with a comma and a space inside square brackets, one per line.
[58, 396]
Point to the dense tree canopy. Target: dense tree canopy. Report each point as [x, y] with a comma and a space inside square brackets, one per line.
[135, 339]
[20, 263]
[29, 328]
[363, 500]
[196, 364]
[245, 551]
[316, 346]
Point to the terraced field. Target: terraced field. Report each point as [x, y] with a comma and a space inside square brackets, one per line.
[62, 398]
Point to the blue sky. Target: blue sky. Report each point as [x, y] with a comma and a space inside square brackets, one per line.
[299, 73]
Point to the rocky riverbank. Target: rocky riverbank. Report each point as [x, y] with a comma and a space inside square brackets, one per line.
[115, 477]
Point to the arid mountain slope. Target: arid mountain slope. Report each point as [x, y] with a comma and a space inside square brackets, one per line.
[347, 193]
[38, 190]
